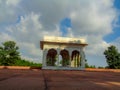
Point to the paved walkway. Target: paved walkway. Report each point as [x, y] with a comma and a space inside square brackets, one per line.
[58, 80]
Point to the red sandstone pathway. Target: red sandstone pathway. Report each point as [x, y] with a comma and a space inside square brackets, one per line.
[58, 80]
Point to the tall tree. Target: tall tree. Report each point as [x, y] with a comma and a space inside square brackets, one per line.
[112, 57]
[9, 53]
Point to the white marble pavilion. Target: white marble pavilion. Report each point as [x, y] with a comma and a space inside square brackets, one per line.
[63, 53]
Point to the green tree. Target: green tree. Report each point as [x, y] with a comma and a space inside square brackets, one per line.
[112, 57]
[9, 53]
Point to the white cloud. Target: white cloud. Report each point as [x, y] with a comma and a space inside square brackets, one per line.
[9, 11]
[28, 21]
[70, 33]
[28, 33]
[12, 2]
[93, 18]
[116, 43]
[5, 37]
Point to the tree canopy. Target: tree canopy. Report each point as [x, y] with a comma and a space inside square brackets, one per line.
[112, 57]
[9, 53]
[10, 56]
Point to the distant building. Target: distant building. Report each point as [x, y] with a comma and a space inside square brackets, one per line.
[63, 53]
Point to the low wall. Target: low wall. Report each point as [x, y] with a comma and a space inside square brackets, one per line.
[14, 67]
[28, 67]
[19, 67]
[61, 68]
[106, 70]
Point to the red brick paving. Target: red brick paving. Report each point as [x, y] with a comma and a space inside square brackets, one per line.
[58, 80]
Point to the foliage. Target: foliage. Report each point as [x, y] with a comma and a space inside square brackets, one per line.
[9, 53]
[26, 63]
[89, 66]
[65, 62]
[112, 57]
[9, 56]
[100, 67]
[51, 61]
[86, 65]
[92, 66]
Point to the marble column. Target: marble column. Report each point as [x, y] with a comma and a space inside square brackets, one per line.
[44, 57]
[70, 54]
[58, 54]
[82, 58]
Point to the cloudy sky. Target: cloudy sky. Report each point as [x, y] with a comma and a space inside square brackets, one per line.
[27, 21]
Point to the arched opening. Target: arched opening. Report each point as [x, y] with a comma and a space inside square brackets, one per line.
[51, 57]
[65, 57]
[75, 59]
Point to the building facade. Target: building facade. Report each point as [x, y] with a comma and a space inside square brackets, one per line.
[63, 53]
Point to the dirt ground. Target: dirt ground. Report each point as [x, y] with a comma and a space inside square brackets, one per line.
[58, 80]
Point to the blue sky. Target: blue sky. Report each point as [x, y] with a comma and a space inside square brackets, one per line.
[27, 22]
[116, 29]
[64, 24]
